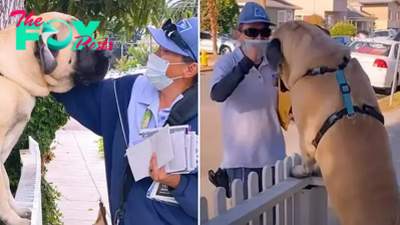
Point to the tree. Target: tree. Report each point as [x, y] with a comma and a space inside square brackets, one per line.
[213, 23]
[343, 29]
[6, 7]
[180, 9]
[124, 13]
[227, 13]
[315, 19]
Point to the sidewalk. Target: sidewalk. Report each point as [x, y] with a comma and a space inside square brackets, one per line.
[76, 170]
[211, 61]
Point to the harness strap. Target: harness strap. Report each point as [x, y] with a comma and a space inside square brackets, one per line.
[345, 90]
[365, 109]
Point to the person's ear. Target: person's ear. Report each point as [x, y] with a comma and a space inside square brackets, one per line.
[274, 54]
[191, 70]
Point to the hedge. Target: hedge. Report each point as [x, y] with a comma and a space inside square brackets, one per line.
[343, 29]
[47, 117]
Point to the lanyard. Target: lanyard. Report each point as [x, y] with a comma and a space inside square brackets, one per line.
[128, 176]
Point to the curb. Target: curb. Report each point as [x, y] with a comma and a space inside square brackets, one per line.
[206, 69]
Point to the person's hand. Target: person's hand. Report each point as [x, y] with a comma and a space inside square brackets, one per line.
[253, 53]
[159, 174]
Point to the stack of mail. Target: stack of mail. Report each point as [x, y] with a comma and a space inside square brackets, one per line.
[177, 152]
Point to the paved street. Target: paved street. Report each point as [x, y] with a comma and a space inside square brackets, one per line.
[211, 139]
[76, 171]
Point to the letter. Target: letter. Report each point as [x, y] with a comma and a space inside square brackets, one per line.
[22, 36]
[110, 45]
[17, 12]
[79, 43]
[29, 20]
[93, 46]
[82, 30]
[38, 22]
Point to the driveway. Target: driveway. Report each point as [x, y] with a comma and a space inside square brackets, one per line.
[211, 139]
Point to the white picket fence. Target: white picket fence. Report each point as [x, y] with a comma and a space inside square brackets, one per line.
[29, 186]
[297, 201]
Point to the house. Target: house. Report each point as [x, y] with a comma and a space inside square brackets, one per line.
[332, 11]
[364, 21]
[279, 11]
[387, 12]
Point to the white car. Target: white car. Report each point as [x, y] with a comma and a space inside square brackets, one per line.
[383, 34]
[225, 44]
[378, 59]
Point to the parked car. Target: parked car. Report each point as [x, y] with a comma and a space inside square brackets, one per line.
[225, 44]
[378, 59]
[383, 34]
[345, 40]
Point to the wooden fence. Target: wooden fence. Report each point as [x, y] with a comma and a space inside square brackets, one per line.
[297, 201]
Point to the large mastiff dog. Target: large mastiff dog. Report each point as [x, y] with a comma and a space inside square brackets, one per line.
[35, 72]
[340, 127]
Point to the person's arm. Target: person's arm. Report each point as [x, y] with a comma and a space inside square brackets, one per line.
[228, 80]
[83, 103]
[186, 194]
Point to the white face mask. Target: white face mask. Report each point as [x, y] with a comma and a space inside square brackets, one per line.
[156, 72]
[261, 45]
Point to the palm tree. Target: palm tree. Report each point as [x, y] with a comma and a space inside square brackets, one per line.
[213, 22]
[180, 9]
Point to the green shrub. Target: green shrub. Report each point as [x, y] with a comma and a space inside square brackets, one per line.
[101, 147]
[47, 117]
[343, 29]
[125, 64]
[141, 51]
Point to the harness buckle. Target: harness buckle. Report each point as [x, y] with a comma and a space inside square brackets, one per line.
[351, 116]
[345, 88]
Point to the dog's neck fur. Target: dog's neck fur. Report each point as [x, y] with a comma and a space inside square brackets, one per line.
[14, 63]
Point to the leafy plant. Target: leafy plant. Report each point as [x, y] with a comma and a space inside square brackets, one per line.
[141, 52]
[101, 147]
[343, 29]
[227, 13]
[315, 19]
[124, 64]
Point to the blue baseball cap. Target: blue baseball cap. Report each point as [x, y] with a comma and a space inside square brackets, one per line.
[253, 12]
[189, 31]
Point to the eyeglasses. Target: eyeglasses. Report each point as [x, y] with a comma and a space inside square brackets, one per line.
[254, 32]
[171, 31]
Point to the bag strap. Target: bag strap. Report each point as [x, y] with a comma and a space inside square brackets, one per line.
[184, 110]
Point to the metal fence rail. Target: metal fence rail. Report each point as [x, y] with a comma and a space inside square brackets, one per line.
[298, 202]
[29, 186]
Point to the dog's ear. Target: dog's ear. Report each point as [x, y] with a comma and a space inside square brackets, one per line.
[46, 56]
[274, 54]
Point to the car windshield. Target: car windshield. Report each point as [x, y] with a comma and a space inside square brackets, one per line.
[372, 48]
[340, 39]
[380, 34]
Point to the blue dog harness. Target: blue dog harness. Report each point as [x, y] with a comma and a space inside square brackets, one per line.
[349, 110]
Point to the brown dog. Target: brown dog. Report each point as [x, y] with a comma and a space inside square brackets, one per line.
[35, 72]
[354, 154]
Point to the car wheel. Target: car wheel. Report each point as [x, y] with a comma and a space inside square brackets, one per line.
[388, 91]
[224, 50]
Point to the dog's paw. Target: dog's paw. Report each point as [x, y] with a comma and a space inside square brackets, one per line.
[21, 222]
[24, 213]
[299, 172]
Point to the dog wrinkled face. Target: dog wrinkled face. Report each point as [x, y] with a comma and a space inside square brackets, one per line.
[293, 51]
[66, 68]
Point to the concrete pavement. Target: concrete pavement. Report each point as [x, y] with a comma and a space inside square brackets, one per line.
[211, 140]
[76, 171]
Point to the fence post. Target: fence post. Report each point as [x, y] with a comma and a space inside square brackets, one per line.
[267, 183]
[253, 190]
[279, 174]
[220, 200]
[203, 210]
[288, 165]
[319, 206]
[301, 211]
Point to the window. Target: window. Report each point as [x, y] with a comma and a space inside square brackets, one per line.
[282, 17]
[289, 16]
[372, 48]
[298, 17]
[204, 35]
[397, 15]
[390, 14]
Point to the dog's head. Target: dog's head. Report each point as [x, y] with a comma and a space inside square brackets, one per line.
[65, 68]
[298, 46]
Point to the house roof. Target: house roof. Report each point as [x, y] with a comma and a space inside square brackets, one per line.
[354, 13]
[376, 1]
[281, 4]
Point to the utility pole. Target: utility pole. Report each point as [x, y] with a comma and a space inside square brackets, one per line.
[263, 3]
